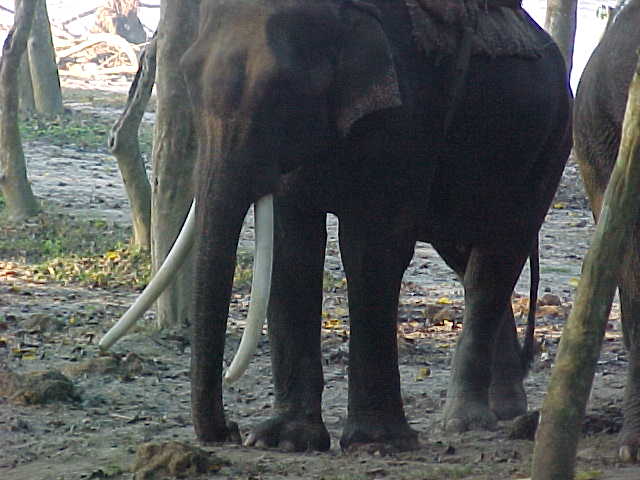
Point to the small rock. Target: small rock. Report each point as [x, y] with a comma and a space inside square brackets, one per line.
[450, 450]
[20, 426]
[524, 427]
[445, 314]
[550, 299]
[99, 365]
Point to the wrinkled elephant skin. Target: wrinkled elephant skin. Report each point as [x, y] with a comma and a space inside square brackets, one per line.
[330, 106]
[599, 110]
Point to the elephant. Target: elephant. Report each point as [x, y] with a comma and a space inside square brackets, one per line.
[332, 106]
[600, 103]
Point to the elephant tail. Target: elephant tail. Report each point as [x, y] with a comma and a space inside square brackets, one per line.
[529, 346]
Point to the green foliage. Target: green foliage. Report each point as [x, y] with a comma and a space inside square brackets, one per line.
[331, 283]
[63, 249]
[244, 270]
[49, 235]
[120, 267]
[95, 253]
[79, 130]
[589, 475]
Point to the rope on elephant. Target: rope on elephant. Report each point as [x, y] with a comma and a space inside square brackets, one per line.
[500, 27]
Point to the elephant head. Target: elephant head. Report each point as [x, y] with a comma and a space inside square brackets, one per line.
[275, 85]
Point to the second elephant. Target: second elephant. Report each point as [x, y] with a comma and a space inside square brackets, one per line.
[599, 111]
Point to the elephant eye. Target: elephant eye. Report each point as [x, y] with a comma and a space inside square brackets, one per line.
[224, 88]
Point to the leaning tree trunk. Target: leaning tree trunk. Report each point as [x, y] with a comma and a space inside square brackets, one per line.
[565, 403]
[173, 154]
[42, 62]
[124, 145]
[16, 189]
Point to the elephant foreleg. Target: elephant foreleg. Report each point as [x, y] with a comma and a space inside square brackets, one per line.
[294, 315]
[489, 279]
[375, 258]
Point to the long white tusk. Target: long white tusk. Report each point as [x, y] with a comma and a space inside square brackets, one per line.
[260, 287]
[160, 281]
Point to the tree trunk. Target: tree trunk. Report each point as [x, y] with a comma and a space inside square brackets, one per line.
[124, 145]
[560, 22]
[16, 189]
[42, 62]
[564, 406]
[173, 154]
[27, 102]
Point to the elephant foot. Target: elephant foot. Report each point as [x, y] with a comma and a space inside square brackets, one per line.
[383, 435]
[289, 434]
[463, 414]
[212, 433]
[507, 401]
[629, 451]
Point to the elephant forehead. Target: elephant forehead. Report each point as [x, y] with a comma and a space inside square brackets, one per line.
[235, 60]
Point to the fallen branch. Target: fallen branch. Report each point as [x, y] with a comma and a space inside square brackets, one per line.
[124, 70]
[79, 16]
[112, 40]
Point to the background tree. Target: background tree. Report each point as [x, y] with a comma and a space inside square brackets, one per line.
[42, 64]
[173, 153]
[18, 196]
[560, 22]
[125, 146]
[25, 86]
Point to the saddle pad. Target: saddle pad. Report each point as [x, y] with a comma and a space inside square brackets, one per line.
[496, 30]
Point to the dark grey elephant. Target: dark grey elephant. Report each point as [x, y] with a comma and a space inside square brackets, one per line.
[599, 110]
[407, 127]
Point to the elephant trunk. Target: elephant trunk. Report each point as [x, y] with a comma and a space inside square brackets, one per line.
[220, 223]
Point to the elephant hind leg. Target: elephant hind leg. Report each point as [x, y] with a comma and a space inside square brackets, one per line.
[629, 285]
[489, 278]
[507, 398]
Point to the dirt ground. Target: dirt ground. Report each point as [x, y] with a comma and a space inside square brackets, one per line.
[98, 410]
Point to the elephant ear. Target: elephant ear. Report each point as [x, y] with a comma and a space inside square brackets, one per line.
[366, 78]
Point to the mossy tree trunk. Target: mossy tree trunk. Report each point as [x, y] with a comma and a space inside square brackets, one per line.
[564, 406]
[42, 63]
[173, 154]
[125, 146]
[18, 197]
[560, 22]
